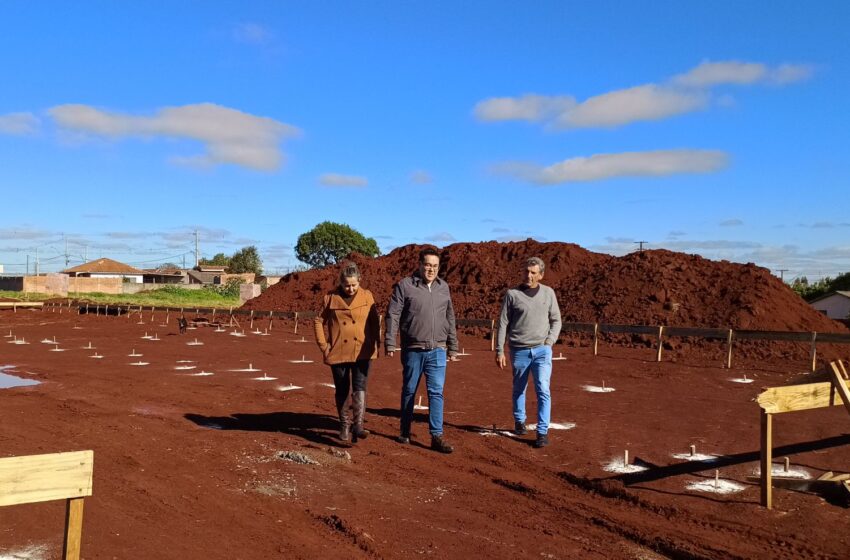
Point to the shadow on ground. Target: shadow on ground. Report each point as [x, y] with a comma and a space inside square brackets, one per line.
[318, 428]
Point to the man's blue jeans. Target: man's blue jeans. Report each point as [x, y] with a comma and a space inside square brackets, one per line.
[433, 364]
[536, 361]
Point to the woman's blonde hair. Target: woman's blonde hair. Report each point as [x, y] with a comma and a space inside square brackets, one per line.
[348, 270]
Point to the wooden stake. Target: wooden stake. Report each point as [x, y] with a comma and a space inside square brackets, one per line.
[716, 479]
[492, 335]
[729, 350]
[787, 464]
[693, 450]
[296, 324]
[152, 313]
[814, 352]
[167, 313]
[766, 459]
[625, 457]
[595, 339]
[73, 529]
[660, 333]
[271, 319]
[251, 326]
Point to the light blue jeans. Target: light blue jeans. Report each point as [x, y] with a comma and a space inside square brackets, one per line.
[536, 361]
[433, 364]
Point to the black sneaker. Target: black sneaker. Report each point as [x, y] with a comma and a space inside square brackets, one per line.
[519, 429]
[541, 441]
[403, 439]
[441, 445]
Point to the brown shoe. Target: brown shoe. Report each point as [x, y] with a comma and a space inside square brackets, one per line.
[441, 445]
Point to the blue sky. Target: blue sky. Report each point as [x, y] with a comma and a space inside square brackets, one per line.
[717, 128]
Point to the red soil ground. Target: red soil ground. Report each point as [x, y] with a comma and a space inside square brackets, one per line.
[188, 467]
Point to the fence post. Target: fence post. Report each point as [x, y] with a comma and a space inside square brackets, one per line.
[729, 341]
[814, 353]
[296, 324]
[271, 319]
[251, 326]
[595, 339]
[660, 333]
[492, 335]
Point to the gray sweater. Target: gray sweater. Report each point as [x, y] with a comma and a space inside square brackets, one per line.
[530, 321]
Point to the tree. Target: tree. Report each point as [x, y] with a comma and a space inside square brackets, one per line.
[246, 259]
[330, 242]
[813, 290]
[220, 259]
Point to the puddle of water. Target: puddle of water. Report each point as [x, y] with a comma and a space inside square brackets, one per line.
[8, 381]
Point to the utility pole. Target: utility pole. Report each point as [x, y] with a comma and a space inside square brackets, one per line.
[197, 250]
[640, 245]
[65, 238]
[36, 261]
[28, 265]
[86, 254]
[782, 272]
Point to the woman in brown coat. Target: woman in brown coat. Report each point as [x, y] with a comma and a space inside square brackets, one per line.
[353, 334]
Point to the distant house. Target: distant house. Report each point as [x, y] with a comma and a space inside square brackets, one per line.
[166, 276]
[107, 268]
[835, 305]
[208, 274]
[204, 274]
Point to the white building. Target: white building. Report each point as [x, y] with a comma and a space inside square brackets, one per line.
[835, 305]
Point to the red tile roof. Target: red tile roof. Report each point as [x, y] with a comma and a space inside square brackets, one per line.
[104, 266]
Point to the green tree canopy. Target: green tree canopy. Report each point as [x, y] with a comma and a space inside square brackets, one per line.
[329, 242]
[810, 291]
[246, 259]
[220, 259]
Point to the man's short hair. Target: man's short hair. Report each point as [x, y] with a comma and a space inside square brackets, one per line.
[428, 251]
[536, 261]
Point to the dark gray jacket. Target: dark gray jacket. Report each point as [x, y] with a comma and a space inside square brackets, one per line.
[423, 316]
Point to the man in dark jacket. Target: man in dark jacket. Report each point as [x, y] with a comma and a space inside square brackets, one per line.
[421, 312]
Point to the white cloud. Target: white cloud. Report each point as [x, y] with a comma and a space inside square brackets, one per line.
[229, 135]
[788, 73]
[710, 74]
[441, 237]
[680, 94]
[25, 233]
[421, 177]
[627, 164]
[252, 33]
[642, 103]
[530, 107]
[338, 180]
[18, 124]
[732, 222]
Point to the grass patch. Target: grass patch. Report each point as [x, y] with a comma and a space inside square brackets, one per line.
[25, 296]
[166, 297]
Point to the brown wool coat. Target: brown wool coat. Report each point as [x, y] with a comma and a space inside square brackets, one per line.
[353, 332]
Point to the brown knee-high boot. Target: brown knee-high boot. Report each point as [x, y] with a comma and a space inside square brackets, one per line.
[344, 419]
[359, 407]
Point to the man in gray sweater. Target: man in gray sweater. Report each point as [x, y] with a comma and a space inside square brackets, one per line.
[421, 313]
[531, 321]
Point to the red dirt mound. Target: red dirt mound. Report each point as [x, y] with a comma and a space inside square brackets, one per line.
[656, 287]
